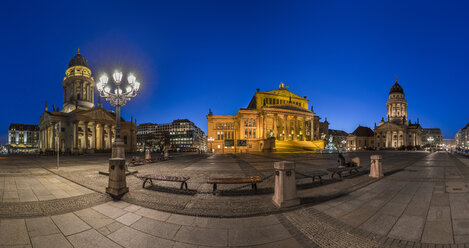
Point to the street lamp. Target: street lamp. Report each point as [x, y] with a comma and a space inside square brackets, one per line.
[117, 98]
[211, 141]
[430, 139]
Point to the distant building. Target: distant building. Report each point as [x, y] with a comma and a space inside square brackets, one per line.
[179, 135]
[397, 131]
[361, 139]
[22, 137]
[339, 137]
[432, 133]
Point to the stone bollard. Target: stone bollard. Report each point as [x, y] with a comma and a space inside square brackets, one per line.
[117, 179]
[285, 185]
[147, 155]
[376, 168]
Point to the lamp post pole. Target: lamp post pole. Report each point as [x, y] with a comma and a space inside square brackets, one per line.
[117, 186]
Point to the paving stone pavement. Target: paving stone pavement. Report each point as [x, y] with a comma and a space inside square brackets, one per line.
[422, 202]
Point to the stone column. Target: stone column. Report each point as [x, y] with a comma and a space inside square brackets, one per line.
[53, 136]
[275, 126]
[94, 136]
[303, 137]
[263, 126]
[86, 135]
[48, 137]
[285, 127]
[295, 128]
[103, 146]
[312, 129]
[75, 136]
[258, 132]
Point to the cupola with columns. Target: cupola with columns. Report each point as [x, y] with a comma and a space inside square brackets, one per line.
[396, 105]
[78, 85]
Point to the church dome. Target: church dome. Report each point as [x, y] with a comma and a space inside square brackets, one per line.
[78, 60]
[396, 88]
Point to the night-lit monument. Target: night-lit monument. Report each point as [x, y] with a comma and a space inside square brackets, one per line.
[397, 131]
[276, 120]
[84, 127]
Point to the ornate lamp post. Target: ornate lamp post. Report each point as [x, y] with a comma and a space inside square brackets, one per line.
[117, 98]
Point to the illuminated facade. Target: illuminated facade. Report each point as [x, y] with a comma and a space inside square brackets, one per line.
[80, 126]
[276, 120]
[397, 131]
[23, 137]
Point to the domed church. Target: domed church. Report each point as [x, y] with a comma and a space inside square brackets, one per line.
[397, 131]
[81, 126]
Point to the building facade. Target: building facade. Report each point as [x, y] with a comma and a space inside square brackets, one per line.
[80, 127]
[22, 137]
[397, 131]
[179, 135]
[432, 137]
[276, 120]
[362, 138]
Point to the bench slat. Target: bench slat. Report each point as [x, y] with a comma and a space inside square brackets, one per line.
[235, 180]
[165, 178]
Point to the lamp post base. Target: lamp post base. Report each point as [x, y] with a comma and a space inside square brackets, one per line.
[117, 186]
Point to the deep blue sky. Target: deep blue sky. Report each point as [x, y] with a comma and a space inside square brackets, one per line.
[194, 55]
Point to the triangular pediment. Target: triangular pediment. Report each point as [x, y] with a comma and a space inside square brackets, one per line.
[283, 92]
[97, 114]
[389, 125]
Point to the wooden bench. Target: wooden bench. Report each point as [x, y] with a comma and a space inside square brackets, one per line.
[235, 180]
[151, 177]
[136, 161]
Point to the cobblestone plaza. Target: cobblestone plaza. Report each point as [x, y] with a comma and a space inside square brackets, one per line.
[421, 202]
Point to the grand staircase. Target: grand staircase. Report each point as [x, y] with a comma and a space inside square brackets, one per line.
[296, 146]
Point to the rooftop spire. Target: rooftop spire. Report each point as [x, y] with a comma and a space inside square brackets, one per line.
[396, 79]
[78, 51]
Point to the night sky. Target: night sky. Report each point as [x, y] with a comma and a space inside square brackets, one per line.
[194, 55]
